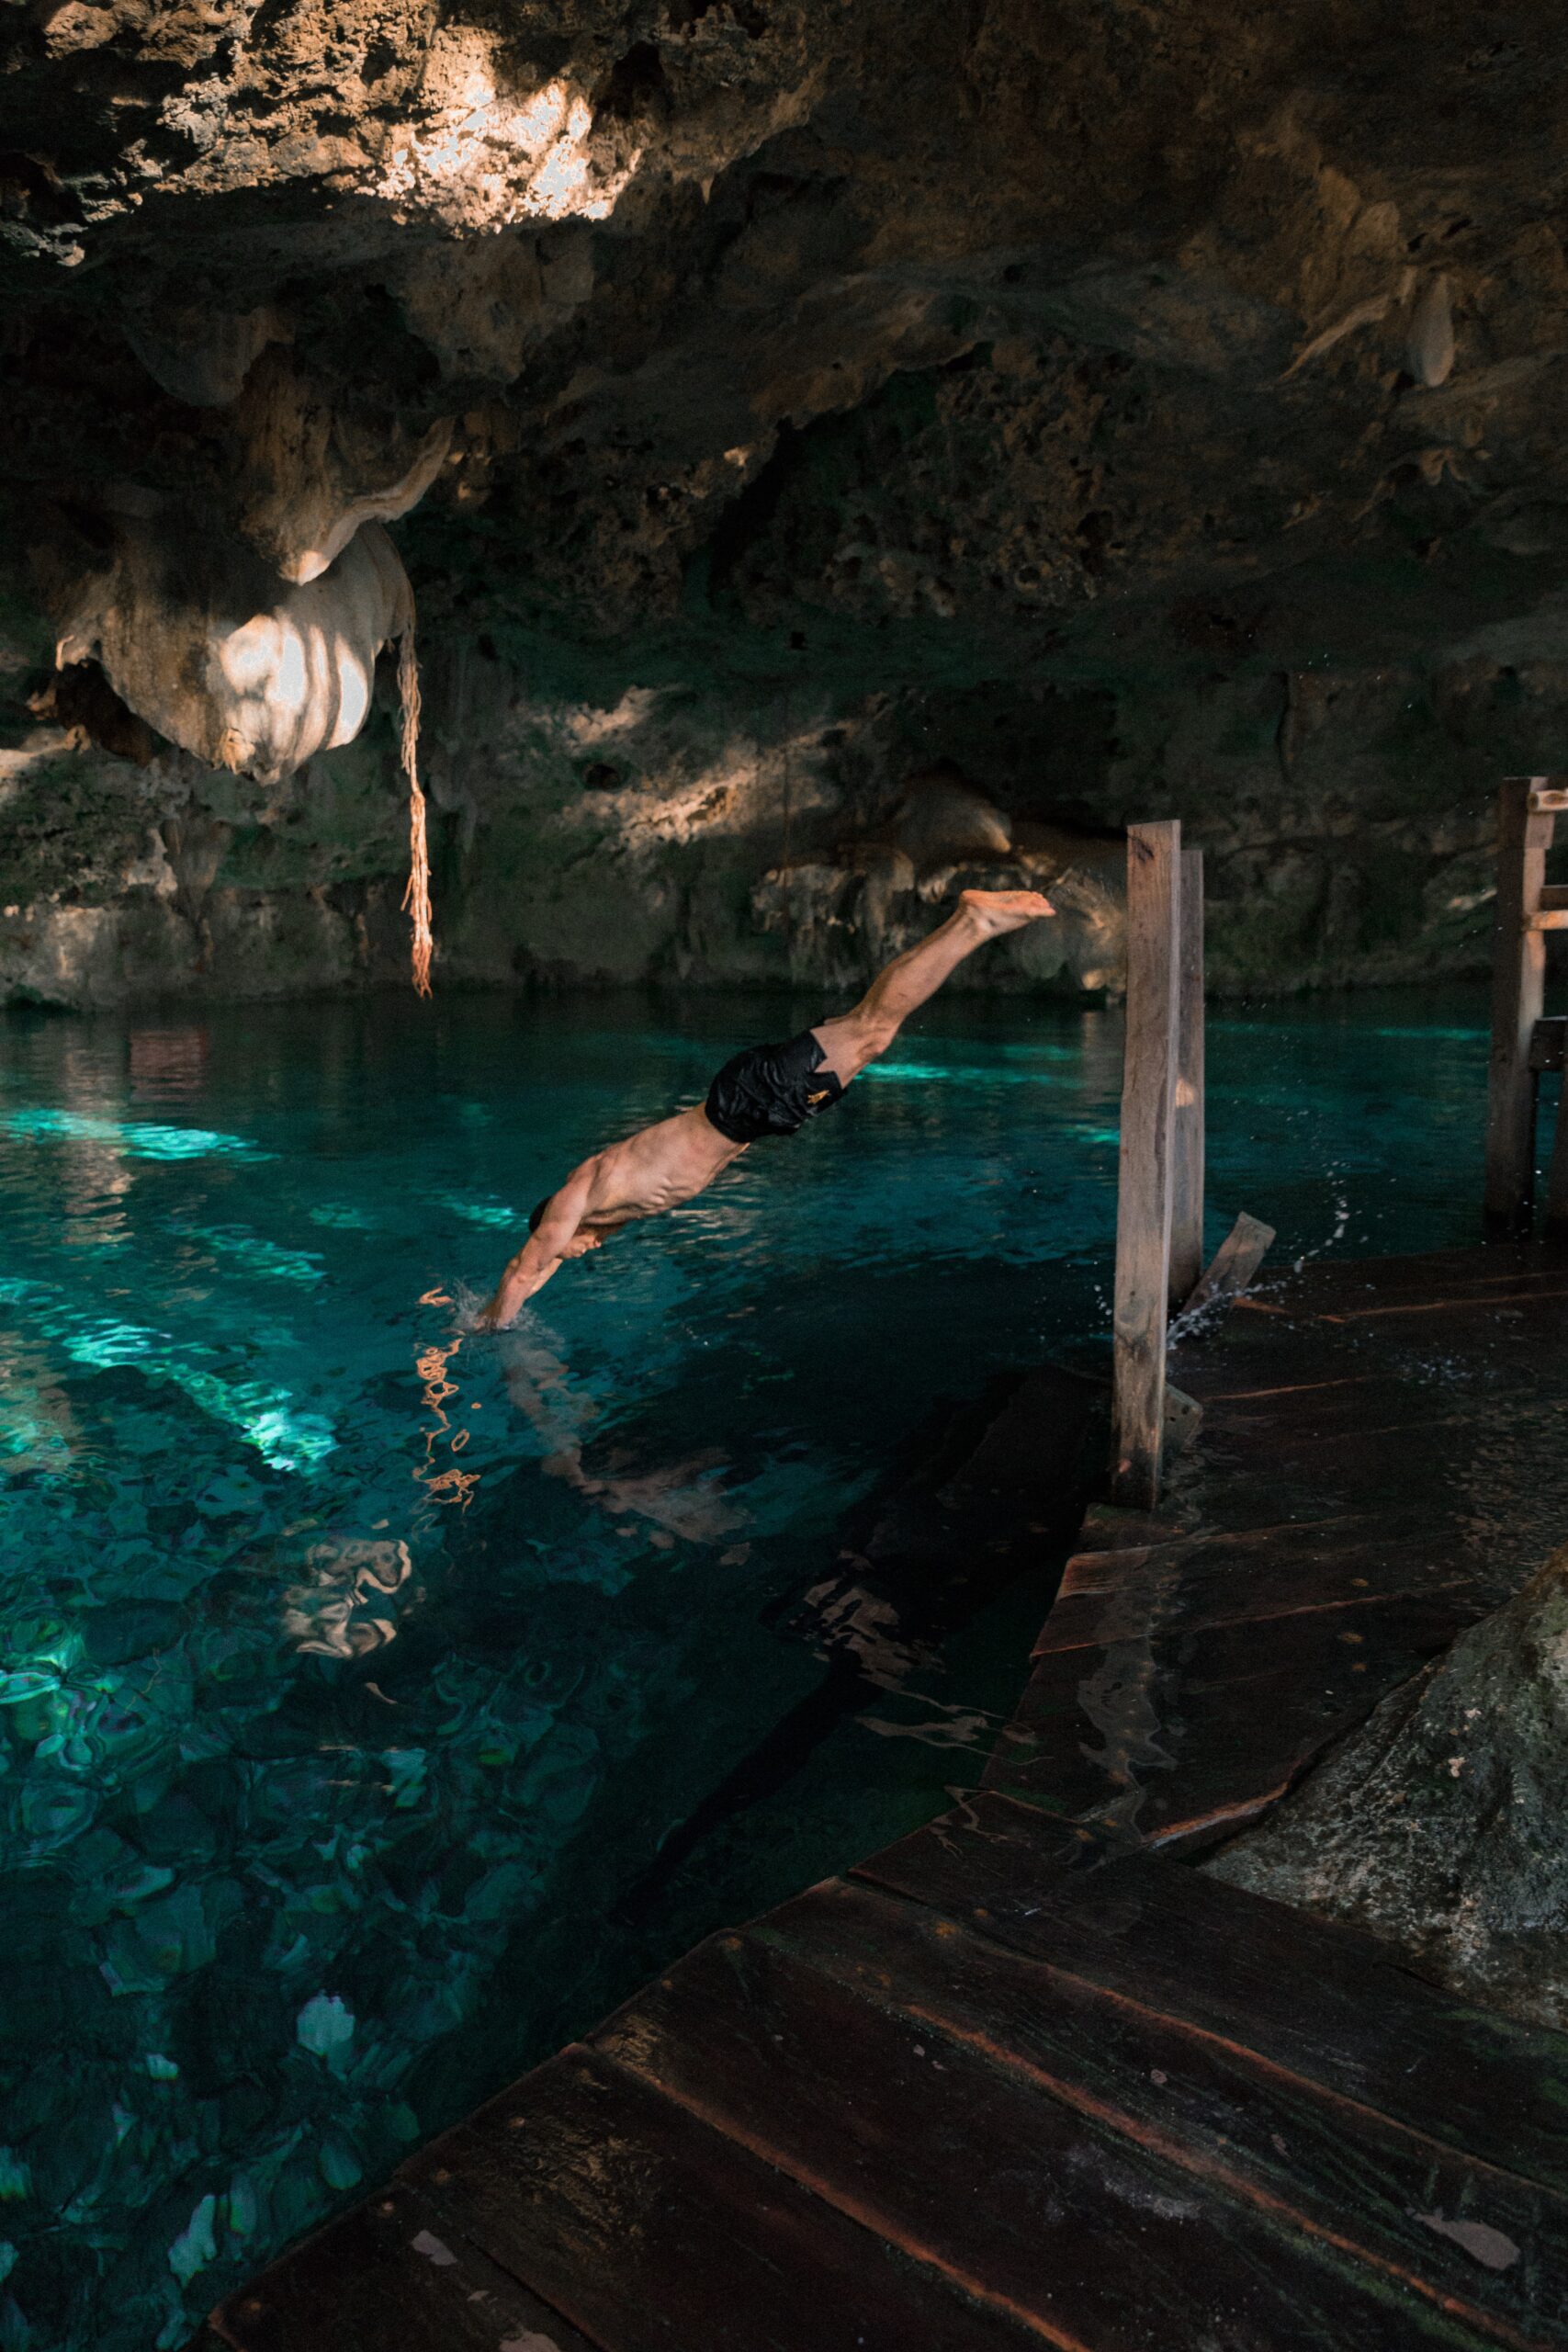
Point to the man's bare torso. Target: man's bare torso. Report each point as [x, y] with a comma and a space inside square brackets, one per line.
[657, 1168]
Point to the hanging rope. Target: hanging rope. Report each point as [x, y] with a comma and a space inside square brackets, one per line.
[416, 898]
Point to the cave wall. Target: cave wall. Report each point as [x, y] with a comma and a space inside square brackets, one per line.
[673, 835]
[1111, 411]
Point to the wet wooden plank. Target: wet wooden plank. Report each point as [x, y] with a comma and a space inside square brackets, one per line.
[1336, 2170]
[385, 2277]
[1372, 1400]
[1267, 1352]
[1249, 1578]
[1108, 1529]
[1543, 1306]
[1177, 1736]
[656, 2234]
[1011, 2184]
[1333, 1475]
[1322, 2000]
[1434, 1271]
[1235, 1263]
[989, 1839]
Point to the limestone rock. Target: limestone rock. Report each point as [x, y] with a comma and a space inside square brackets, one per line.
[1072, 395]
[312, 481]
[203, 356]
[224, 662]
[1439, 1824]
[941, 818]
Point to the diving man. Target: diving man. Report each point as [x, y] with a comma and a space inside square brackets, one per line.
[766, 1090]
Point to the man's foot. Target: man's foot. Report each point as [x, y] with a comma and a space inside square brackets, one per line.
[1000, 911]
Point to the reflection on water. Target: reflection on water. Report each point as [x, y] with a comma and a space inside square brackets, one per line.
[342, 1606]
[353, 1669]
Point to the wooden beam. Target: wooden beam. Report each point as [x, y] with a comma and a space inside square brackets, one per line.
[1546, 797]
[1187, 1152]
[1235, 1261]
[1144, 1196]
[1518, 974]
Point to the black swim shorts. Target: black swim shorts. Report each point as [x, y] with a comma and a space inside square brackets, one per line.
[771, 1090]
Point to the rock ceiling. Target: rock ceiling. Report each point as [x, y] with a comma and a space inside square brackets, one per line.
[893, 347]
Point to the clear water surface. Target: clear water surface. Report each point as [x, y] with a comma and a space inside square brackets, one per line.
[351, 1671]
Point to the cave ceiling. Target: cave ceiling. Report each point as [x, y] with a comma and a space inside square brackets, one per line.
[909, 341]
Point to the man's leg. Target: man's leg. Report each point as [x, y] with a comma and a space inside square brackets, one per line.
[851, 1039]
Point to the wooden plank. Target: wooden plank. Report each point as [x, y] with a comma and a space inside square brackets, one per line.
[1546, 796]
[1100, 1567]
[1177, 1737]
[1235, 1261]
[1189, 1117]
[656, 2234]
[1194, 1586]
[1518, 973]
[1144, 1193]
[1007, 2182]
[1443, 1273]
[1502, 1269]
[1538, 1301]
[1548, 918]
[1324, 2001]
[1317, 2163]
[1269, 1408]
[383, 2276]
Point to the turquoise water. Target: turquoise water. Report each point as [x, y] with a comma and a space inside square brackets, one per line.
[353, 1671]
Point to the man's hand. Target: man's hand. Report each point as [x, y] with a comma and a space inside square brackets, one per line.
[526, 1273]
[540, 1255]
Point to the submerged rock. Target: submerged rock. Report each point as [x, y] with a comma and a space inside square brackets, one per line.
[1439, 1822]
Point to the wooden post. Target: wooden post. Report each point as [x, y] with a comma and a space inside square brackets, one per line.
[1518, 980]
[1144, 1198]
[1187, 1152]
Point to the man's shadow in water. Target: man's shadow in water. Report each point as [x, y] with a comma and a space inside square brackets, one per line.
[999, 1490]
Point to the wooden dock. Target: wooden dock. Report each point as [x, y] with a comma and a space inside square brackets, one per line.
[1028, 2076]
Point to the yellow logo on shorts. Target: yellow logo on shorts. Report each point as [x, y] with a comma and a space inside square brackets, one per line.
[814, 1099]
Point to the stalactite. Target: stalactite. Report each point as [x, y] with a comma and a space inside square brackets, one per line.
[416, 898]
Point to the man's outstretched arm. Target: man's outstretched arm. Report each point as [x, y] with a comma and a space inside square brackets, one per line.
[542, 1253]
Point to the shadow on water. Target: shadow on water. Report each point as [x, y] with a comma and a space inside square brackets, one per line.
[1001, 1487]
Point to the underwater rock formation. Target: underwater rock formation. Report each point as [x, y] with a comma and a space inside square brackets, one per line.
[1439, 1822]
[1145, 410]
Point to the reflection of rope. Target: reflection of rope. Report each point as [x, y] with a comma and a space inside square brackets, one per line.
[451, 1485]
[416, 898]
